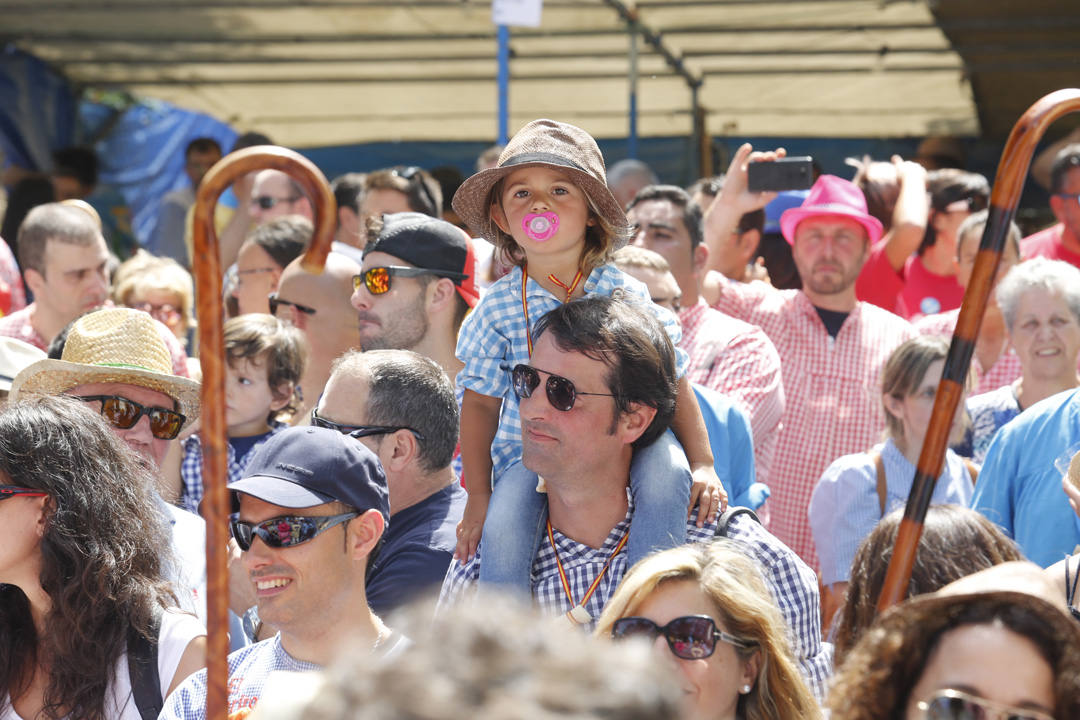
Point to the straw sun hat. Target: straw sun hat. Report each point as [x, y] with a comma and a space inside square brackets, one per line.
[564, 147]
[113, 345]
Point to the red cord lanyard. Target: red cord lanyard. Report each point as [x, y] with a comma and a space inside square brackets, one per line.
[578, 615]
[525, 303]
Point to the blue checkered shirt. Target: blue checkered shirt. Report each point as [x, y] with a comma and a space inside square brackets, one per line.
[493, 340]
[792, 582]
[191, 489]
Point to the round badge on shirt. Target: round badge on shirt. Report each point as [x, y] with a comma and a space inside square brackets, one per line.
[930, 306]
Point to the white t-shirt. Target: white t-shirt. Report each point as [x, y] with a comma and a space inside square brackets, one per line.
[178, 629]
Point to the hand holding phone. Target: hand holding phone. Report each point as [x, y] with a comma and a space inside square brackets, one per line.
[787, 173]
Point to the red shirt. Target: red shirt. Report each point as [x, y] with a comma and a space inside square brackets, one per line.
[925, 292]
[832, 392]
[1048, 244]
[878, 283]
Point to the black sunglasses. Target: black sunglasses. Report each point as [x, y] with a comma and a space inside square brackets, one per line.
[165, 424]
[690, 637]
[276, 302]
[284, 531]
[266, 202]
[561, 392]
[955, 705]
[359, 431]
[377, 279]
[414, 176]
[8, 491]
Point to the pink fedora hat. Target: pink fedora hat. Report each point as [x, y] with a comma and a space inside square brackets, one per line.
[831, 196]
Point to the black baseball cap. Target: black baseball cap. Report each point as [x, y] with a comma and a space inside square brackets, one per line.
[304, 466]
[427, 242]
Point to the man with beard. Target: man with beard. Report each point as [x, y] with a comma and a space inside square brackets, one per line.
[832, 347]
[416, 285]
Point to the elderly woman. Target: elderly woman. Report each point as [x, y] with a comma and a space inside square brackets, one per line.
[994, 364]
[707, 612]
[967, 652]
[81, 573]
[1040, 302]
[857, 490]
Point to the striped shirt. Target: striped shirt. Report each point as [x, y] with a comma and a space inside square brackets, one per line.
[832, 392]
[738, 360]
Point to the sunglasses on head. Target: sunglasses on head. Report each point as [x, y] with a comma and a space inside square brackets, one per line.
[284, 531]
[276, 302]
[377, 279]
[267, 202]
[122, 413]
[8, 491]
[359, 431]
[957, 705]
[561, 392]
[691, 637]
[414, 176]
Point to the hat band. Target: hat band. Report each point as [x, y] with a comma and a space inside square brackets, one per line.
[128, 366]
[833, 207]
[542, 157]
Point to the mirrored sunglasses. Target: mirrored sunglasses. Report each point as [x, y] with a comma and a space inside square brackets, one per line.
[284, 531]
[276, 302]
[165, 424]
[690, 637]
[9, 491]
[956, 705]
[377, 279]
[561, 392]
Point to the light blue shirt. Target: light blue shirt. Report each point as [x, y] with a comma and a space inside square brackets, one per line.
[845, 506]
[493, 339]
[1020, 483]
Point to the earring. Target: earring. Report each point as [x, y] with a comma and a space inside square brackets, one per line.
[745, 689]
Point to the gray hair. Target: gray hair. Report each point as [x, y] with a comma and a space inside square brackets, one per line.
[1054, 276]
[409, 390]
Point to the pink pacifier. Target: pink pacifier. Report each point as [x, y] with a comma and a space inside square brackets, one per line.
[540, 226]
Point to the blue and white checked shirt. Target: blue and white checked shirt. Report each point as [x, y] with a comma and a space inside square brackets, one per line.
[493, 340]
[792, 582]
[191, 490]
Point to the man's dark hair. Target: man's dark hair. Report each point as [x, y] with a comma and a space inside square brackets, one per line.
[409, 390]
[948, 186]
[628, 338]
[347, 189]
[1067, 159]
[283, 238]
[250, 139]
[202, 145]
[691, 212]
[80, 163]
[423, 192]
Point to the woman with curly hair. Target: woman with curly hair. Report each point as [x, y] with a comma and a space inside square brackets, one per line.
[969, 651]
[81, 570]
[707, 610]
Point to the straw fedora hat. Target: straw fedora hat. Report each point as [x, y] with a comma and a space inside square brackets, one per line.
[564, 147]
[112, 345]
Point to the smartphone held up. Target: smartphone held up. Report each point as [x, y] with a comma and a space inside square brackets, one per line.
[788, 173]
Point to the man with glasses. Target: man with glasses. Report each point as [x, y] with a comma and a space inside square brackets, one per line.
[600, 381]
[313, 508]
[275, 194]
[416, 286]
[402, 406]
[319, 306]
[1060, 241]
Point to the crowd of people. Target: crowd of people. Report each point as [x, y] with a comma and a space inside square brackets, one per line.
[556, 440]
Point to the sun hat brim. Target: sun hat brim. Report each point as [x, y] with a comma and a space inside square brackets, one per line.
[791, 218]
[53, 377]
[471, 201]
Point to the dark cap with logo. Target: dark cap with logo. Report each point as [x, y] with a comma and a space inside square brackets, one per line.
[304, 466]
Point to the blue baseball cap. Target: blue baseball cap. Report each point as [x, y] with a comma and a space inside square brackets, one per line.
[783, 201]
[304, 466]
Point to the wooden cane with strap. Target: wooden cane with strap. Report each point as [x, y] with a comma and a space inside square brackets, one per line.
[1011, 172]
[207, 266]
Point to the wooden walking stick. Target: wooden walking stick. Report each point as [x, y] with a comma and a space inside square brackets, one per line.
[207, 266]
[1011, 172]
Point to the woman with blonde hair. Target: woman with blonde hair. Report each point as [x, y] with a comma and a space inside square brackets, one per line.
[707, 610]
[159, 286]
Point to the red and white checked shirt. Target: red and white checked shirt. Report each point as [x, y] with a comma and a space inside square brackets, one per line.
[832, 391]
[18, 326]
[1002, 372]
[737, 359]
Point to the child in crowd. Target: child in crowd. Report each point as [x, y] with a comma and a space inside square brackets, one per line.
[546, 206]
[266, 359]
